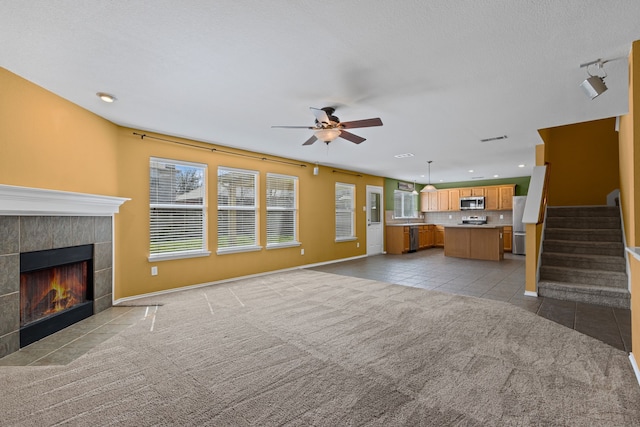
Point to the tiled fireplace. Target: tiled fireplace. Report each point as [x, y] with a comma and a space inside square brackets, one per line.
[56, 261]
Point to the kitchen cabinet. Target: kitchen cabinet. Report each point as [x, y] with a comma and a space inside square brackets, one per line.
[474, 242]
[443, 200]
[491, 198]
[477, 191]
[508, 238]
[429, 202]
[424, 241]
[439, 235]
[465, 192]
[454, 199]
[505, 202]
[397, 239]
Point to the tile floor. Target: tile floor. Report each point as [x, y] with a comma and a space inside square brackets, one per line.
[74, 341]
[502, 281]
[428, 269]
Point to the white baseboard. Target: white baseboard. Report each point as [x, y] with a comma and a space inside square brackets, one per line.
[233, 279]
[530, 294]
[635, 367]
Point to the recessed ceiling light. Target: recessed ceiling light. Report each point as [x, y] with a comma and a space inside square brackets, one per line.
[106, 97]
[470, 170]
[520, 166]
[402, 156]
[421, 176]
[442, 180]
[496, 176]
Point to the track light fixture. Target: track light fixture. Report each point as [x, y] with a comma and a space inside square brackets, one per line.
[594, 85]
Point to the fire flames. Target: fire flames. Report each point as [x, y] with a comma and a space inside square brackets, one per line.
[45, 292]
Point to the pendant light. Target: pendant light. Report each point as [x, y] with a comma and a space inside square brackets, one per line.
[414, 192]
[429, 188]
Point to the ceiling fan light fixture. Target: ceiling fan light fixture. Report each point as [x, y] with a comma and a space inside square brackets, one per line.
[327, 135]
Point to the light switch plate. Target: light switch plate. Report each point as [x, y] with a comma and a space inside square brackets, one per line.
[154, 271]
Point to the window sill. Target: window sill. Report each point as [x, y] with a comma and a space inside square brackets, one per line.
[346, 239]
[283, 245]
[239, 249]
[178, 255]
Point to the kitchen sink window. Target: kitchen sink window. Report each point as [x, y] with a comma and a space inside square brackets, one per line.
[405, 204]
[345, 211]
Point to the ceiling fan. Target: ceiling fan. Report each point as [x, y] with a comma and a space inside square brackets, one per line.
[328, 127]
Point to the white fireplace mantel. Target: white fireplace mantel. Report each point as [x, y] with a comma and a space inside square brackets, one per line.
[25, 201]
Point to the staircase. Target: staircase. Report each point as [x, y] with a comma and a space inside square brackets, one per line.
[583, 256]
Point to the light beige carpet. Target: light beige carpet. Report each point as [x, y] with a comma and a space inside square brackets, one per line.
[305, 348]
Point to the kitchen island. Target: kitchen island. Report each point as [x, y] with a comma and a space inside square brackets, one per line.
[474, 242]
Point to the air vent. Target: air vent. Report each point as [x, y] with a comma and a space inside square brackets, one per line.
[402, 156]
[477, 177]
[495, 138]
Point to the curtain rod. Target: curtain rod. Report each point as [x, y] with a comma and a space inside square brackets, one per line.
[143, 136]
[348, 173]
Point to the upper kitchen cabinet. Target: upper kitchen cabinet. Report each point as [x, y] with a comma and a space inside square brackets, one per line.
[505, 201]
[491, 198]
[429, 202]
[454, 199]
[465, 192]
[443, 200]
[478, 191]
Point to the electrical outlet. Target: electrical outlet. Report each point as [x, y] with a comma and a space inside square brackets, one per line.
[501, 216]
[301, 251]
[450, 216]
[154, 271]
[357, 244]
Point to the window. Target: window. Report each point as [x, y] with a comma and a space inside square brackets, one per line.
[345, 212]
[177, 212]
[405, 204]
[237, 210]
[282, 212]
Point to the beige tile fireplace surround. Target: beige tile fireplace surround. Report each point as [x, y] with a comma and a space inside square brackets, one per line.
[35, 220]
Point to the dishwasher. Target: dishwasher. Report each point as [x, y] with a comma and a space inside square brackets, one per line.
[414, 238]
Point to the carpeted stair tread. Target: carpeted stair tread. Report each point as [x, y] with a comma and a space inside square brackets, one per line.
[583, 211]
[603, 278]
[578, 234]
[580, 292]
[584, 222]
[584, 261]
[584, 247]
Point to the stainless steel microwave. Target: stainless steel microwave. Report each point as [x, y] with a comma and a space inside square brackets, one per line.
[469, 203]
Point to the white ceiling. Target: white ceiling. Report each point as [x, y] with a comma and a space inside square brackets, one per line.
[441, 74]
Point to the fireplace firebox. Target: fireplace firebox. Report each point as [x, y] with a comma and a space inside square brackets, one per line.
[56, 290]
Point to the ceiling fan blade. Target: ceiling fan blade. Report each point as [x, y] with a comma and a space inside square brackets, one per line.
[362, 123]
[311, 140]
[294, 127]
[351, 137]
[321, 115]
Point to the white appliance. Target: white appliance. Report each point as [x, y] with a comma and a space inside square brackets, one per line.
[518, 246]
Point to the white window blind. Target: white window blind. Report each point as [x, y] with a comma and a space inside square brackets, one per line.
[345, 212]
[282, 213]
[237, 210]
[405, 204]
[177, 208]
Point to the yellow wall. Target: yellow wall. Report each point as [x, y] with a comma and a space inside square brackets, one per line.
[629, 187]
[316, 218]
[47, 142]
[583, 161]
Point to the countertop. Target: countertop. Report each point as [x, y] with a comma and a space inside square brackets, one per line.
[475, 226]
[409, 225]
